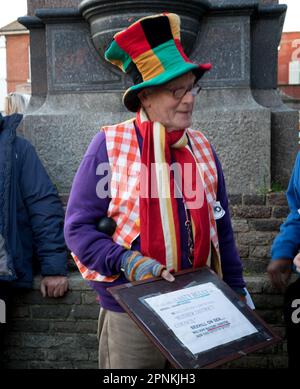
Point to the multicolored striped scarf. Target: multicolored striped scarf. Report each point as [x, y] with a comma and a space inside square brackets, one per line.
[159, 219]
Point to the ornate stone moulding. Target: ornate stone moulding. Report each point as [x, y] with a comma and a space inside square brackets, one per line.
[107, 17]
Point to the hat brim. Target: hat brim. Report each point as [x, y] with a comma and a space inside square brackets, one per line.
[130, 97]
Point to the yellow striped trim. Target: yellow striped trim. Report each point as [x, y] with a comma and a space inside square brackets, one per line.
[165, 203]
[149, 65]
[147, 276]
[208, 260]
[175, 25]
[117, 63]
[215, 263]
[182, 142]
[135, 266]
[193, 229]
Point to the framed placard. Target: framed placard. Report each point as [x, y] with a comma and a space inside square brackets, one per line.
[197, 321]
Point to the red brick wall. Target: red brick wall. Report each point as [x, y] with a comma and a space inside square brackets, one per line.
[289, 51]
[17, 60]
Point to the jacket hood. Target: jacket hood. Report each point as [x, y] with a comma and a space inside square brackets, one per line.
[10, 121]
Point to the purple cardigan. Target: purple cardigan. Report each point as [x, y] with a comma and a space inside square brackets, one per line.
[97, 251]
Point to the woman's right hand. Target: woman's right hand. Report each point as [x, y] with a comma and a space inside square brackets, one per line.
[297, 262]
[137, 267]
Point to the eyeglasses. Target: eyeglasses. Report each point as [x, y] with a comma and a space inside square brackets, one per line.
[178, 93]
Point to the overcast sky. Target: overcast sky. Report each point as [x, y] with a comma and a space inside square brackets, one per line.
[11, 10]
[292, 17]
[15, 8]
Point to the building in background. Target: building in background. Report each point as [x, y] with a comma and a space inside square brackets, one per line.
[3, 86]
[289, 68]
[15, 54]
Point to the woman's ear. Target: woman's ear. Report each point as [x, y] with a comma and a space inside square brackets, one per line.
[144, 98]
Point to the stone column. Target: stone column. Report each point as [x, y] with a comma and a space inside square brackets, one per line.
[237, 126]
[38, 58]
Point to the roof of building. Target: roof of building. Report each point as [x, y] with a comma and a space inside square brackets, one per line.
[13, 28]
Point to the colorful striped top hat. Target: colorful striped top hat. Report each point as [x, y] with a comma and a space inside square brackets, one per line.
[150, 52]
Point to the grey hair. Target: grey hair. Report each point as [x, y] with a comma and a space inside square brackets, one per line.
[16, 103]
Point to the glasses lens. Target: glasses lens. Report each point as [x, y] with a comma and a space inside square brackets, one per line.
[179, 93]
[195, 90]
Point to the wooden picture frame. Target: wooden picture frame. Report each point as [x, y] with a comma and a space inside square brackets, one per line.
[133, 298]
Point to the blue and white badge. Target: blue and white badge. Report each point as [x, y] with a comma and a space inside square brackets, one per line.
[218, 210]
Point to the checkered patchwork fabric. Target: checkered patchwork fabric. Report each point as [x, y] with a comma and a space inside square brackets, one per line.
[149, 51]
[125, 161]
[148, 47]
[91, 275]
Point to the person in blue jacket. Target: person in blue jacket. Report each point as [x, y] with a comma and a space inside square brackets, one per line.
[31, 219]
[284, 250]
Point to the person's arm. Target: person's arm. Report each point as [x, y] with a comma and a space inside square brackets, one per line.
[287, 242]
[88, 203]
[95, 250]
[46, 219]
[230, 260]
[297, 262]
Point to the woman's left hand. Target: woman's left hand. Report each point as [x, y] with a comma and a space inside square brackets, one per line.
[297, 262]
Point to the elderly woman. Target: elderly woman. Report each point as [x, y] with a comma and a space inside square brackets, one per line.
[165, 190]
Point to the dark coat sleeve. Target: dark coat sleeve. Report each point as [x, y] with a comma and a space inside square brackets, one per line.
[44, 209]
[96, 250]
[287, 242]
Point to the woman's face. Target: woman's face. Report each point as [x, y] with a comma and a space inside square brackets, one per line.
[163, 105]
